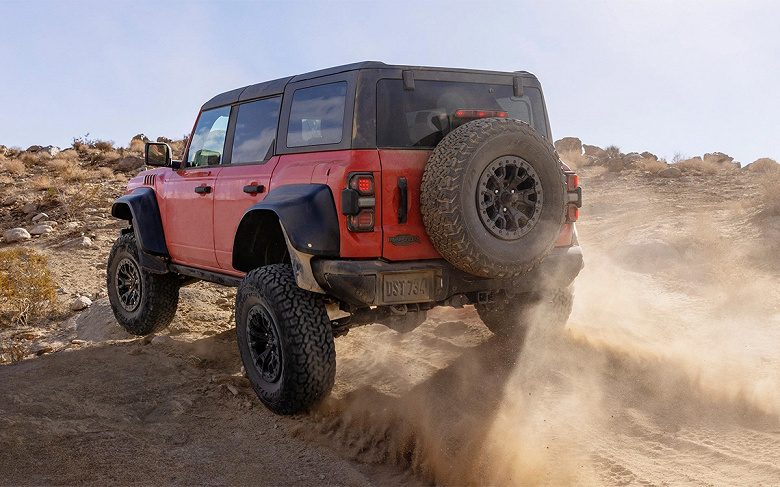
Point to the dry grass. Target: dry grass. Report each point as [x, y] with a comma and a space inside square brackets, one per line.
[27, 287]
[16, 167]
[78, 198]
[104, 145]
[137, 145]
[653, 166]
[42, 182]
[573, 159]
[69, 171]
[697, 166]
[105, 173]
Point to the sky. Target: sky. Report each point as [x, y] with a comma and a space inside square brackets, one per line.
[676, 78]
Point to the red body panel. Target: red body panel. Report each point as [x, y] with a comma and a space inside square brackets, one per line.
[187, 216]
[408, 164]
[230, 203]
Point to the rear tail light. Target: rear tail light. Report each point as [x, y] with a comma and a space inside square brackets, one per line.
[572, 213]
[572, 181]
[362, 183]
[362, 222]
[358, 202]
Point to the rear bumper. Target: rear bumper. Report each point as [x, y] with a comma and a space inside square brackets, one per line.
[380, 283]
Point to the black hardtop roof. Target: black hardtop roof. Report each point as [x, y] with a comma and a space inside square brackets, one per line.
[276, 87]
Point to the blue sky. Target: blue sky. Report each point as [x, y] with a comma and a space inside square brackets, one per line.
[664, 76]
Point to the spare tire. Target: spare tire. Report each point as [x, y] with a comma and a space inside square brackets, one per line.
[493, 197]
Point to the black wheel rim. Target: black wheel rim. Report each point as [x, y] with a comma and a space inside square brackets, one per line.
[264, 345]
[129, 286]
[509, 197]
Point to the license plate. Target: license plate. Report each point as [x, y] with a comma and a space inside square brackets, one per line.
[407, 287]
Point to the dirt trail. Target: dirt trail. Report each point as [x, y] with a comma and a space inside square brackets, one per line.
[668, 373]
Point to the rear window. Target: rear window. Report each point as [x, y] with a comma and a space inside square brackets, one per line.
[255, 131]
[423, 116]
[317, 115]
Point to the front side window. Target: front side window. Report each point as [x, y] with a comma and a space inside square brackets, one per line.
[255, 131]
[423, 116]
[208, 141]
[317, 115]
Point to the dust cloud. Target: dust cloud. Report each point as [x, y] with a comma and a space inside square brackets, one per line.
[668, 371]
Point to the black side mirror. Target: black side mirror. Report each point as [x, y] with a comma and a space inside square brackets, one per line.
[157, 154]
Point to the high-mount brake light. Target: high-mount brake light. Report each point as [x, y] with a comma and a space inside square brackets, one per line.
[481, 114]
[362, 183]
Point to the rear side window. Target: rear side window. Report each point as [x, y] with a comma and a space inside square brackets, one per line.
[317, 115]
[255, 131]
[423, 116]
[208, 141]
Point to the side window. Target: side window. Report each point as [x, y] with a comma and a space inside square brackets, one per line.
[317, 115]
[208, 141]
[255, 131]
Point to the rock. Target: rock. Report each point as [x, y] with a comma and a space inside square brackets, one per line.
[141, 137]
[221, 302]
[569, 144]
[39, 216]
[16, 235]
[13, 200]
[164, 140]
[615, 164]
[34, 148]
[717, 158]
[84, 242]
[76, 341]
[82, 302]
[29, 207]
[129, 163]
[670, 172]
[648, 155]
[41, 229]
[51, 150]
[162, 340]
[72, 225]
[594, 151]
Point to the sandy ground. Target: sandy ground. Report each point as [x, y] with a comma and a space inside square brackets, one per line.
[668, 373]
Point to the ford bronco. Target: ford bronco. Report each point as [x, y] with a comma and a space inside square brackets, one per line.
[364, 193]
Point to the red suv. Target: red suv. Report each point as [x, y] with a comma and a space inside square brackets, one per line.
[358, 194]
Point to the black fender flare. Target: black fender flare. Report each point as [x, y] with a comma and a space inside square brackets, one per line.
[141, 208]
[307, 216]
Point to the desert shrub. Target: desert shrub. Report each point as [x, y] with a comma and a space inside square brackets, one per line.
[68, 170]
[27, 287]
[137, 145]
[15, 166]
[104, 145]
[696, 165]
[43, 181]
[106, 172]
[77, 198]
[613, 152]
[653, 166]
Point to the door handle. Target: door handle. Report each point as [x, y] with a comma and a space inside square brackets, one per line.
[254, 188]
[203, 189]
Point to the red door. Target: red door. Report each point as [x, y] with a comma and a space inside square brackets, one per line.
[189, 216]
[237, 188]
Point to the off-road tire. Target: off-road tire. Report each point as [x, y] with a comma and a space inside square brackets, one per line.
[456, 192]
[512, 316]
[143, 302]
[285, 339]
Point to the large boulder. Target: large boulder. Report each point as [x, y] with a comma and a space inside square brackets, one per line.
[594, 152]
[129, 163]
[670, 172]
[569, 144]
[720, 159]
[15, 235]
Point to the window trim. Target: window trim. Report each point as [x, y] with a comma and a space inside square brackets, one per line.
[348, 131]
[186, 155]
